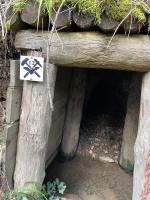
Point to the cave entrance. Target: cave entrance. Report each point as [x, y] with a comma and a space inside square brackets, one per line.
[94, 171]
[104, 114]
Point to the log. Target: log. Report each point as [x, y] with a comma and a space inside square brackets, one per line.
[132, 27]
[107, 25]
[131, 125]
[141, 183]
[35, 123]
[83, 21]
[13, 21]
[90, 50]
[73, 114]
[30, 13]
[64, 19]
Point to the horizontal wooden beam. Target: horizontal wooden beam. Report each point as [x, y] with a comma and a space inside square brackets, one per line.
[89, 49]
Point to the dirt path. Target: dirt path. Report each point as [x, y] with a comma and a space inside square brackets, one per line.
[91, 179]
[100, 138]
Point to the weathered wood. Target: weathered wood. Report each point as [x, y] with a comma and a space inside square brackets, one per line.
[73, 114]
[83, 20]
[35, 123]
[141, 185]
[11, 129]
[132, 27]
[15, 74]
[58, 117]
[30, 15]
[13, 21]
[90, 49]
[131, 124]
[14, 93]
[13, 104]
[11, 134]
[64, 19]
[107, 25]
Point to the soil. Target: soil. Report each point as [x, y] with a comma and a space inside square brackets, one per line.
[100, 138]
[94, 173]
[92, 179]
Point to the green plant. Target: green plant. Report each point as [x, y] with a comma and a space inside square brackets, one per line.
[113, 8]
[35, 191]
[54, 189]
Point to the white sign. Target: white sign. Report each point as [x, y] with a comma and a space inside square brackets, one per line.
[31, 68]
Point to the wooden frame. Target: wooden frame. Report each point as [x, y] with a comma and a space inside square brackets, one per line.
[89, 50]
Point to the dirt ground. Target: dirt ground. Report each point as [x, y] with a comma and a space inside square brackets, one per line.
[91, 179]
[100, 138]
[94, 173]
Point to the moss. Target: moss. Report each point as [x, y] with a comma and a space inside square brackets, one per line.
[116, 9]
[127, 166]
[119, 10]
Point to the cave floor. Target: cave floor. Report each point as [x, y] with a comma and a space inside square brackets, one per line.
[92, 179]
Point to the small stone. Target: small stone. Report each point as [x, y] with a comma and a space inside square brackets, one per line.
[93, 155]
[106, 159]
[92, 147]
[91, 152]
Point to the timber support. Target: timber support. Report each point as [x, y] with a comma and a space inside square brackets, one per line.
[131, 124]
[141, 185]
[35, 123]
[74, 113]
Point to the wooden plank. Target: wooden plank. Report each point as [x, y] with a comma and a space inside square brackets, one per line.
[131, 124]
[55, 136]
[15, 74]
[35, 123]
[13, 104]
[141, 185]
[11, 134]
[60, 104]
[73, 114]
[90, 49]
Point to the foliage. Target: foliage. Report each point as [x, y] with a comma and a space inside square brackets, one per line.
[51, 191]
[116, 9]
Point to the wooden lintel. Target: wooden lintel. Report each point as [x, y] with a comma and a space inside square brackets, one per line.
[89, 49]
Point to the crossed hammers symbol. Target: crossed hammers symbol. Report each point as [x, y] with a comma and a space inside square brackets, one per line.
[29, 69]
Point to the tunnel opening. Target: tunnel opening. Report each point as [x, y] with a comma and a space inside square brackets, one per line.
[94, 172]
[104, 113]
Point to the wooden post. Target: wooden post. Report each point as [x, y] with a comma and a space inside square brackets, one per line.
[74, 114]
[35, 122]
[11, 128]
[141, 185]
[131, 125]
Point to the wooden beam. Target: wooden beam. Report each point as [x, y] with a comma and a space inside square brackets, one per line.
[90, 49]
[131, 124]
[74, 113]
[141, 183]
[35, 123]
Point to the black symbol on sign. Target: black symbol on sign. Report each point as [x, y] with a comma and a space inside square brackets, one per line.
[31, 67]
